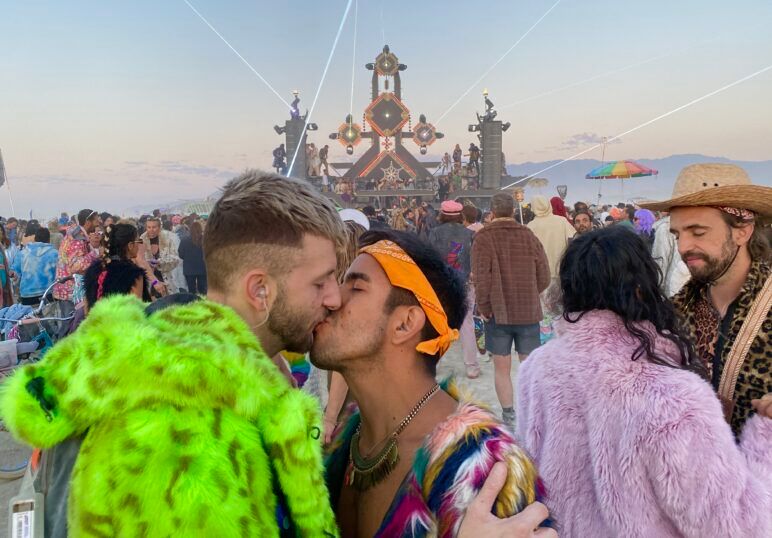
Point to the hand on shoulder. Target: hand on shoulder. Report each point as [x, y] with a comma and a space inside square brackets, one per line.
[763, 406]
[479, 521]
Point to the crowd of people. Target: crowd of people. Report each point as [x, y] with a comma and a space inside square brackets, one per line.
[64, 252]
[644, 391]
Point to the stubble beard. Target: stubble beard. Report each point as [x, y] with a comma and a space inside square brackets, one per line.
[291, 326]
[337, 352]
[714, 267]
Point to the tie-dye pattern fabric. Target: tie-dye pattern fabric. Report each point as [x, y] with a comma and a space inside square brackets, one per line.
[448, 471]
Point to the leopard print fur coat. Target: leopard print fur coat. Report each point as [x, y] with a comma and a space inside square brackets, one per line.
[755, 379]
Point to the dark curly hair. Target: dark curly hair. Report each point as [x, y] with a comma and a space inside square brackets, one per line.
[117, 278]
[116, 240]
[118, 273]
[612, 269]
[446, 282]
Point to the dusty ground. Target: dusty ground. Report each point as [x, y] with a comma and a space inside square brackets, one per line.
[452, 364]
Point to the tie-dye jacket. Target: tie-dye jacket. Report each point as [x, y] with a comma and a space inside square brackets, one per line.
[448, 471]
[36, 267]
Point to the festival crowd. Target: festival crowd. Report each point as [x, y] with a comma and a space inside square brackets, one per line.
[187, 398]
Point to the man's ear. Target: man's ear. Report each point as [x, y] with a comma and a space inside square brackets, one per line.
[742, 234]
[258, 289]
[407, 324]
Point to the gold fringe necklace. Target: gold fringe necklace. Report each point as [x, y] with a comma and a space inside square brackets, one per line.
[364, 473]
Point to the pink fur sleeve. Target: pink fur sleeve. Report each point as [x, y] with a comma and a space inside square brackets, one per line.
[704, 482]
[528, 425]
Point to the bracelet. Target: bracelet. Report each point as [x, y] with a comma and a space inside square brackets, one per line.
[154, 283]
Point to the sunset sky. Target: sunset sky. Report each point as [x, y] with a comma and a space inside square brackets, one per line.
[116, 104]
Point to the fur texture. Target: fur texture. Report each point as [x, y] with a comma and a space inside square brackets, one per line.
[448, 471]
[631, 448]
[755, 378]
[190, 426]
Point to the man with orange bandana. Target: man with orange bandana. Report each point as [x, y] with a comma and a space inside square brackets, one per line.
[411, 460]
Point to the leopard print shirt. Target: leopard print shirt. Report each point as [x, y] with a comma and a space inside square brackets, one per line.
[703, 324]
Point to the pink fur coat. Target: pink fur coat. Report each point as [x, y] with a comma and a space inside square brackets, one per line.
[633, 449]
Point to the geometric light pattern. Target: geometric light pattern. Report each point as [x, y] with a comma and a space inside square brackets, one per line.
[424, 134]
[349, 134]
[386, 64]
[387, 115]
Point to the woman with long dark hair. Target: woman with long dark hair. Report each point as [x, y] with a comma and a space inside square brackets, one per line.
[118, 271]
[629, 437]
[192, 254]
[121, 242]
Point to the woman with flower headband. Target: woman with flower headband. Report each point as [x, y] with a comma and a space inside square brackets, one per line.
[122, 242]
[119, 271]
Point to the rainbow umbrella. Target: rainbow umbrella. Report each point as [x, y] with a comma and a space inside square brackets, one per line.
[620, 170]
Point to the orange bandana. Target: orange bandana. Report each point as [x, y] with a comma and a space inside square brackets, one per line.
[403, 272]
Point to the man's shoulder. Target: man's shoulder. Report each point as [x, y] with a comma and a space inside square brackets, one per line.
[499, 230]
[472, 437]
[464, 432]
[50, 251]
[683, 298]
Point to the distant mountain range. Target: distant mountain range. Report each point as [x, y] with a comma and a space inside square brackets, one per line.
[657, 187]
[570, 173]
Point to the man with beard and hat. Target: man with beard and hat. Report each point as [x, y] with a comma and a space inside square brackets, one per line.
[717, 217]
[395, 470]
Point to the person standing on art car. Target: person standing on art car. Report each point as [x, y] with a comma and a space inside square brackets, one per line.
[474, 157]
[279, 155]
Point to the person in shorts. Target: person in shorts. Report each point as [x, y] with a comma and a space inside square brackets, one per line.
[509, 271]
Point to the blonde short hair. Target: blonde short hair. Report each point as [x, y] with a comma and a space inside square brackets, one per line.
[261, 218]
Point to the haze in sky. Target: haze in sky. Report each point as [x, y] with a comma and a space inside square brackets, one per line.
[114, 104]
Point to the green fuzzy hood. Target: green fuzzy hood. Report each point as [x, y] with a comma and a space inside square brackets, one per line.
[212, 412]
[120, 358]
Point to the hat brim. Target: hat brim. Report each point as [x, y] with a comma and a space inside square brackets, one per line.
[753, 197]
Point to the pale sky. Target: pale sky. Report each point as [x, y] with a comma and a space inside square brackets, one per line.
[113, 104]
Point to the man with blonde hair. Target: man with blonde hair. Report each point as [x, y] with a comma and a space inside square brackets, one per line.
[191, 429]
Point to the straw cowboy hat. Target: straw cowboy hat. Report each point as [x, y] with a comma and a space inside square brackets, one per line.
[717, 185]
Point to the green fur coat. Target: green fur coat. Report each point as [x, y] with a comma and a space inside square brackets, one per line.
[190, 426]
